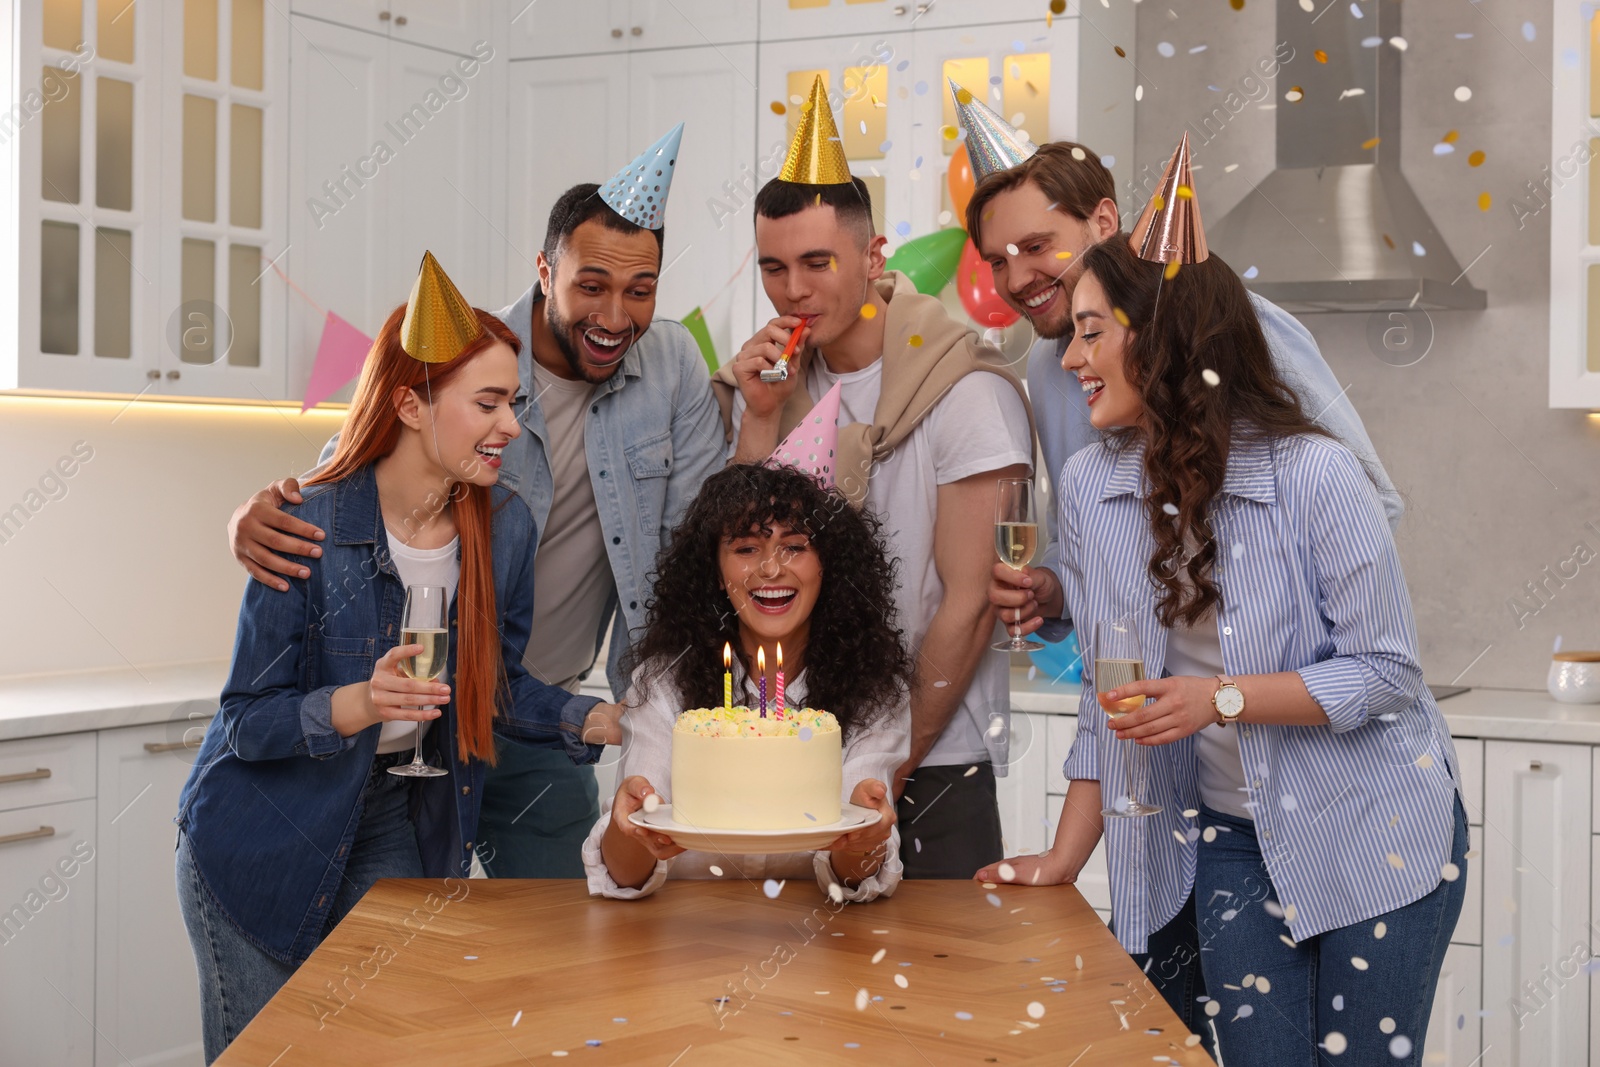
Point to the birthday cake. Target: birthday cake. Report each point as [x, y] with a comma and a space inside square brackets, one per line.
[734, 769]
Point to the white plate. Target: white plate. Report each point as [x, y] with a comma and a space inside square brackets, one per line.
[753, 842]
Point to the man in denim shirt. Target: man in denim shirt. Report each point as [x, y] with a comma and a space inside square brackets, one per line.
[621, 430]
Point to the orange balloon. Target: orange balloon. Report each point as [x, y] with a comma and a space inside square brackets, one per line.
[961, 183]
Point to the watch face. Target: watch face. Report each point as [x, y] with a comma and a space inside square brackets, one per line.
[1230, 702]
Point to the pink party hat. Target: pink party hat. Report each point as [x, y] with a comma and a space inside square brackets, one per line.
[810, 446]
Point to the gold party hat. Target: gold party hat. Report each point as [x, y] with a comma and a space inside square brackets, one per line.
[1169, 230]
[439, 323]
[816, 155]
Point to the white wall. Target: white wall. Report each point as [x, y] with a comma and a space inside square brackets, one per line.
[128, 564]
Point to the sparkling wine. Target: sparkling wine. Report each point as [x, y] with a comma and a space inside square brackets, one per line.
[1015, 542]
[429, 663]
[1111, 673]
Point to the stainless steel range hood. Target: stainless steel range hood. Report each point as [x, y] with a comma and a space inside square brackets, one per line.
[1336, 227]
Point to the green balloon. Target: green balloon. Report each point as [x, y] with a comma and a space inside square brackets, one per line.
[930, 261]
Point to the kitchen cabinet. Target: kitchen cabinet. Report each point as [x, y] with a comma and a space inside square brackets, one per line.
[451, 25]
[615, 27]
[789, 19]
[1454, 1025]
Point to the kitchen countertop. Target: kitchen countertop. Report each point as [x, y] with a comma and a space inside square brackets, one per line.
[37, 705]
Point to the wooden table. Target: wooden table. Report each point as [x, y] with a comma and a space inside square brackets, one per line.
[512, 972]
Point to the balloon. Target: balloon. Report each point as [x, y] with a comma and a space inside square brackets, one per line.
[975, 284]
[930, 261]
[959, 176]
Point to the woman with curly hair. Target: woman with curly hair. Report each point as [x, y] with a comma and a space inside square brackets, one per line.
[1311, 833]
[765, 556]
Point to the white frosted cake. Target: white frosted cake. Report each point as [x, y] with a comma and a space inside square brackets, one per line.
[732, 769]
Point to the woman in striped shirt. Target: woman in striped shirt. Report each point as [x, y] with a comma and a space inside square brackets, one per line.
[1314, 846]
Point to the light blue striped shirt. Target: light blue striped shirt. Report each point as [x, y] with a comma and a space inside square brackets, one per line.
[1354, 818]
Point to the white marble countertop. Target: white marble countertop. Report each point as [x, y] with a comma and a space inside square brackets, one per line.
[36, 705]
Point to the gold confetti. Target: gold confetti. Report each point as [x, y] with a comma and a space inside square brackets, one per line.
[1396, 860]
[1171, 271]
[1120, 315]
[1388, 241]
[833, 264]
[1159, 201]
[778, 108]
[1476, 159]
[818, 200]
[1118, 49]
[1185, 193]
[963, 96]
[1320, 56]
[868, 311]
[1058, 7]
[1484, 200]
[950, 132]
[1063, 255]
[1237, 5]
[1370, 143]
[1451, 137]
[915, 340]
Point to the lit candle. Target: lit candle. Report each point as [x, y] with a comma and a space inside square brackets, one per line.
[727, 678]
[761, 673]
[777, 696]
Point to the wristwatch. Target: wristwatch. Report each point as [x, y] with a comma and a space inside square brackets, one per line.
[1228, 700]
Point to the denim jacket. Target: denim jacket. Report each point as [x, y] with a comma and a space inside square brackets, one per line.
[272, 804]
[653, 435]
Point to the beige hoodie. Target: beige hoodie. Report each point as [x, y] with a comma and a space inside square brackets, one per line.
[925, 352]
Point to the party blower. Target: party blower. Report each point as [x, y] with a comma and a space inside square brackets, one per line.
[780, 370]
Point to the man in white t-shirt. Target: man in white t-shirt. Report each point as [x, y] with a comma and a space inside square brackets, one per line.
[929, 421]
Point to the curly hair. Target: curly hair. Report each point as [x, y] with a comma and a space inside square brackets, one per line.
[1205, 322]
[856, 663]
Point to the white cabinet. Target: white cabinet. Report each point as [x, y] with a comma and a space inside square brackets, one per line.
[47, 934]
[540, 30]
[787, 20]
[452, 25]
[1536, 889]
[1454, 1025]
[1020, 793]
[385, 162]
[147, 1002]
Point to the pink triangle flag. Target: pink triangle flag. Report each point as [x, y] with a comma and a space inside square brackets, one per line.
[340, 354]
[810, 446]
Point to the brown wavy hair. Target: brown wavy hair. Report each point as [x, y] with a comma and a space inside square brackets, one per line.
[371, 431]
[1200, 319]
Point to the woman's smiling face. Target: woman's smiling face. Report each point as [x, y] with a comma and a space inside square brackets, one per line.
[1098, 356]
[773, 579]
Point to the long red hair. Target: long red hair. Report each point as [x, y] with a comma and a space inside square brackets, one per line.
[371, 431]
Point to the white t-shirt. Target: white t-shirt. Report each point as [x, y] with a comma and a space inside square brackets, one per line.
[980, 425]
[572, 579]
[1197, 651]
[420, 566]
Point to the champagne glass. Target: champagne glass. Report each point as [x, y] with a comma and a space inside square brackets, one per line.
[426, 624]
[1118, 660]
[1016, 537]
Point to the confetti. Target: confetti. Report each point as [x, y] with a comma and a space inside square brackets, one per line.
[1209, 835]
[1166, 49]
[778, 108]
[1237, 5]
[1417, 249]
[1358, 963]
[1171, 270]
[1170, 508]
[1108, 161]
[1230, 168]
[877, 957]
[517, 1018]
[1476, 159]
[992, 898]
[1190, 813]
[836, 894]
[1120, 54]
[1335, 1043]
[772, 887]
[1398, 43]
[1355, 10]
[1295, 94]
[1528, 32]
[1370, 143]
[1008, 873]
[1011, 250]
[1035, 1010]
[900, 980]
[1185, 193]
[863, 998]
[1320, 56]
[1263, 986]
[559, 1052]
[1244, 1012]
[1138, 93]
[652, 804]
[1484, 200]
[1078, 962]
[1191, 1041]
[593, 1042]
[1249, 980]
[1307, 6]
[1120, 315]
[1386, 1024]
[1400, 1047]
[1449, 872]
[1289, 913]
[1063, 255]
[1338, 1002]
[1213, 1008]
[1463, 94]
[1058, 7]
[964, 1016]
[469, 957]
[868, 311]
[971, 771]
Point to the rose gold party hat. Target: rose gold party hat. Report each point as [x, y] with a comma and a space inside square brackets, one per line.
[439, 323]
[816, 155]
[1169, 230]
[811, 445]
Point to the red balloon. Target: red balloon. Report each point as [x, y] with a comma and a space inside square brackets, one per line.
[975, 283]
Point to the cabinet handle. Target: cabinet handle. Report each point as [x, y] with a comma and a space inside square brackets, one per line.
[172, 375]
[25, 776]
[922, 9]
[1535, 765]
[170, 746]
[383, 16]
[400, 20]
[638, 31]
[28, 835]
[899, 9]
[616, 31]
[153, 375]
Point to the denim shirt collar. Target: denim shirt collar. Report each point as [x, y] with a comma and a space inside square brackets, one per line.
[357, 518]
[1250, 470]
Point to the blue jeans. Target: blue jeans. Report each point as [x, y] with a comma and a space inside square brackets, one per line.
[237, 978]
[1171, 961]
[538, 807]
[1380, 1012]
